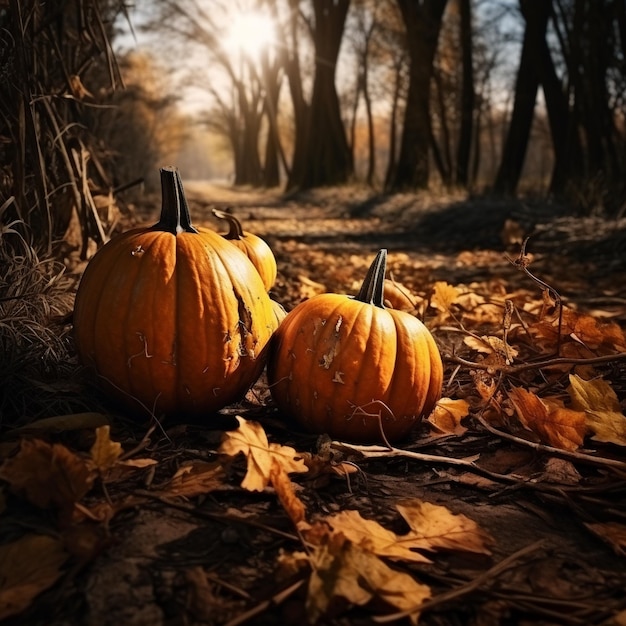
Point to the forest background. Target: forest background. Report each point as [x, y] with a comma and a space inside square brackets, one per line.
[495, 96]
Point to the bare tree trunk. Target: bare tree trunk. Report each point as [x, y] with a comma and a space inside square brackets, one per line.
[467, 95]
[328, 157]
[536, 15]
[423, 23]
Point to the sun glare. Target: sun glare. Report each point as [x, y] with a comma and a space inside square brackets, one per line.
[249, 34]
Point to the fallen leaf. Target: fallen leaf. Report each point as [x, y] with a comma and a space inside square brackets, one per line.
[63, 423]
[444, 295]
[28, 566]
[47, 475]
[447, 415]
[435, 527]
[489, 344]
[370, 535]
[251, 440]
[604, 417]
[341, 569]
[553, 424]
[612, 533]
[194, 479]
[285, 490]
[104, 452]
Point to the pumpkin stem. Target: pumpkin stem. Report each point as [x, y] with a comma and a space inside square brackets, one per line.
[175, 216]
[372, 288]
[235, 230]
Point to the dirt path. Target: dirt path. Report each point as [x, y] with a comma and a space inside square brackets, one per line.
[169, 561]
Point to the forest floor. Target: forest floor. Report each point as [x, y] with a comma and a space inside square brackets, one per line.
[529, 525]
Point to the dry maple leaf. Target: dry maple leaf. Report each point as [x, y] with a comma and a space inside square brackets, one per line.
[194, 479]
[370, 535]
[602, 409]
[28, 566]
[612, 533]
[47, 475]
[285, 490]
[251, 440]
[341, 569]
[104, 452]
[552, 423]
[447, 415]
[435, 527]
[444, 295]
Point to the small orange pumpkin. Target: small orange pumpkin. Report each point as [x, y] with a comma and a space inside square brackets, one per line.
[397, 296]
[257, 250]
[172, 317]
[353, 369]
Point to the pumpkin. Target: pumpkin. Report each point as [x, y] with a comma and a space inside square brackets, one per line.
[279, 312]
[257, 250]
[351, 368]
[397, 296]
[173, 318]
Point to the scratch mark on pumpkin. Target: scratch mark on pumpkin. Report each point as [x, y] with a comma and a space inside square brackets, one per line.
[333, 350]
[143, 352]
[338, 378]
[244, 327]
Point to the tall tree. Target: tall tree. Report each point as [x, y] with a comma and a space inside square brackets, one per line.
[467, 94]
[536, 15]
[422, 21]
[328, 156]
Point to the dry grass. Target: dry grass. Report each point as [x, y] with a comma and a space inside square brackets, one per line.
[39, 373]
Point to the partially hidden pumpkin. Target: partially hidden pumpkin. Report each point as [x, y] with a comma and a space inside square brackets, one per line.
[172, 317]
[353, 369]
[256, 248]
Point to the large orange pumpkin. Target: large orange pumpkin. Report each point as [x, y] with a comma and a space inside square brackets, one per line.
[353, 369]
[172, 317]
[256, 248]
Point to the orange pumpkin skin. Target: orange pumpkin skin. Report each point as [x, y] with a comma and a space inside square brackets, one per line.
[352, 369]
[398, 296]
[255, 248]
[176, 322]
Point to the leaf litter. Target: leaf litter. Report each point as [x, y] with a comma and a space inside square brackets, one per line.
[505, 506]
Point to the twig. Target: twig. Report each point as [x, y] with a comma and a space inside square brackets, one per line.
[468, 587]
[521, 367]
[541, 447]
[266, 604]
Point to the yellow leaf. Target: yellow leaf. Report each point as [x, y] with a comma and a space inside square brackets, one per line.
[104, 452]
[447, 415]
[341, 569]
[47, 475]
[612, 533]
[251, 440]
[553, 424]
[28, 566]
[370, 535]
[604, 417]
[435, 527]
[444, 295]
[197, 478]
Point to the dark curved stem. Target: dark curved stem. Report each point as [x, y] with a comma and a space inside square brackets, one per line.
[372, 289]
[175, 216]
[235, 230]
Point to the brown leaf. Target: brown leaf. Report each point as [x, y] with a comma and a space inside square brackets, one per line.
[444, 296]
[28, 566]
[251, 440]
[47, 475]
[194, 479]
[341, 569]
[370, 535]
[286, 493]
[612, 533]
[604, 417]
[104, 452]
[553, 424]
[447, 415]
[435, 527]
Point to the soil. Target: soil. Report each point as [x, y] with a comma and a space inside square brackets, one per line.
[212, 559]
